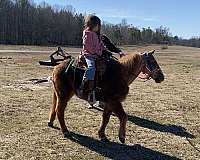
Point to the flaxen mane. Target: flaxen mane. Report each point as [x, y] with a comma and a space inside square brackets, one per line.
[132, 66]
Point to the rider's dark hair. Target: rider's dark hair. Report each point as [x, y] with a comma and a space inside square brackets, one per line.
[91, 21]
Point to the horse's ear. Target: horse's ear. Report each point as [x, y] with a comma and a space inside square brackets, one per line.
[152, 52]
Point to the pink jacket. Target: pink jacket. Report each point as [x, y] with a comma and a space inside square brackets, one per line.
[92, 46]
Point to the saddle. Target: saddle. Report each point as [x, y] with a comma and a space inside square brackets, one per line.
[78, 68]
[100, 65]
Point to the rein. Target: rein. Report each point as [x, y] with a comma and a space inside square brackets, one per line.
[145, 79]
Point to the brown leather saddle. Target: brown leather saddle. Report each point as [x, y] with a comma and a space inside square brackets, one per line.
[104, 66]
[100, 65]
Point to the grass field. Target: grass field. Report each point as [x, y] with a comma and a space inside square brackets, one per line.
[164, 119]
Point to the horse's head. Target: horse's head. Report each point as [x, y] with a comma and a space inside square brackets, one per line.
[151, 68]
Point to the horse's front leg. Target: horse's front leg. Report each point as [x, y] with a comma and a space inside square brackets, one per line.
[120, 113]
[105, 119]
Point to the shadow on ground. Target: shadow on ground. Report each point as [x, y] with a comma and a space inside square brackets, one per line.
[173, 129]
[116, 151]
[168, 128]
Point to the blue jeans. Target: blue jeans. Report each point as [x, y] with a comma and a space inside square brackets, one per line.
[90, 72]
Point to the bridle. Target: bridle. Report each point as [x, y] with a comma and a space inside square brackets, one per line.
[150, 67]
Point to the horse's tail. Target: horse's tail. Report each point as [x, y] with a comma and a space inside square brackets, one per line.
[59, 70]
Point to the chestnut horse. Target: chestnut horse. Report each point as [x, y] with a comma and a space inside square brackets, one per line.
[118, 76]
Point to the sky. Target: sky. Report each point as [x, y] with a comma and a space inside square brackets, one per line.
[182, 17]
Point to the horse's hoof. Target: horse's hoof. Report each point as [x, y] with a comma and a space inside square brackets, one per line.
[50, 124]
[67, 134]
[90, 107]
[105, 139]
[122, 140]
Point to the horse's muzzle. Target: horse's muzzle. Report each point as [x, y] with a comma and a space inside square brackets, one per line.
[159, 77]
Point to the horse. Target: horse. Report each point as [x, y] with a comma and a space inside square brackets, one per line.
[115, 87]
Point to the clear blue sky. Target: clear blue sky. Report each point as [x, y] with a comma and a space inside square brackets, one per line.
[181, 16]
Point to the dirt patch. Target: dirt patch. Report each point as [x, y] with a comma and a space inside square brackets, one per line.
[30, 84]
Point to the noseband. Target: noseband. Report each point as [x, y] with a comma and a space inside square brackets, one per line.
[150, 67]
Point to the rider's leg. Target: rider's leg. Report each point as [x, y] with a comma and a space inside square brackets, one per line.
[89, 73]
[89, 77]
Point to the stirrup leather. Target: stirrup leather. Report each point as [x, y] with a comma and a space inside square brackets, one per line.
[92, 97]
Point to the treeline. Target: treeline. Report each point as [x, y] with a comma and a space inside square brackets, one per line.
[24, 22]
[128, 34]
[192, 42]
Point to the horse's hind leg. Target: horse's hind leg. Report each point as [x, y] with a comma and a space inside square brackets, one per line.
[105, 119]
[60, 108]
[117, 108]
[52, 114]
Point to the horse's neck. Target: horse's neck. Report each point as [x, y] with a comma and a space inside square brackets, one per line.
[132, 65]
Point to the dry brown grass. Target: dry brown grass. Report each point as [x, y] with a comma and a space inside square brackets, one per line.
[161, 116]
